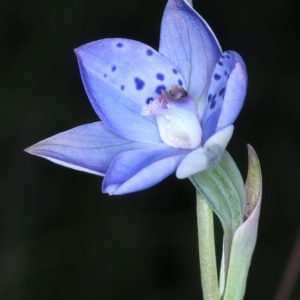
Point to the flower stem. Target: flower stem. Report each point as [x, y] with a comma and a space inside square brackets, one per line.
[207, 254]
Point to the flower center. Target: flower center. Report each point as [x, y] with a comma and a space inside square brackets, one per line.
[176, 118]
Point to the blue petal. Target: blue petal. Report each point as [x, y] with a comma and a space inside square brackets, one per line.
[188, 42]
[136, 170]
[226, 94]
[120, 76]
[235, 93]
[207, 156]
[90, 148]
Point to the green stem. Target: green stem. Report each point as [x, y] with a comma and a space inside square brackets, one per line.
[208, 267]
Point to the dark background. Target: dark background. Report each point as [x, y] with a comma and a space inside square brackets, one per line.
[60, 238]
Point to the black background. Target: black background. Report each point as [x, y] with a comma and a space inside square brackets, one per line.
[60, 238]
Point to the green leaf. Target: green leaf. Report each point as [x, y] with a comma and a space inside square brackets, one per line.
[223, 188]
[244, 239]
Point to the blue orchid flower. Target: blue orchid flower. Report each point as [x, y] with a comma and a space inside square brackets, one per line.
[162, 112]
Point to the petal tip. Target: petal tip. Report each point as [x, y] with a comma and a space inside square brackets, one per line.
[110, 189]
[31, 149]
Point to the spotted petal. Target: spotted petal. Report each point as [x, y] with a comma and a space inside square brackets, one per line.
[136, 170]
[226, 93]
[90, 148]
[187, 40]
[235, 93]
[120, 76]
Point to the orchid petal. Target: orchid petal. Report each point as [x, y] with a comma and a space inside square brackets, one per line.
[136, 170]
[89, 148]
[188, 42]
[207, 156]
[226, 93]
[235, 94]
[120, 76]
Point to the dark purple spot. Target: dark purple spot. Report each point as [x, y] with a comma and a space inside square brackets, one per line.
[139, 83]
[213, 104]
[159, 88]
[120, 45]
[105, 75]
[149, 100]
[220, 63]
[213, 98]
[225, 73]
[209, 97]
[113, 68]
[160, 76]
[222, 56]
[222, 91]
[175, 71]
[122, 87]
[180, 82]
[217, 76]
[149, 52]
[227, 56]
